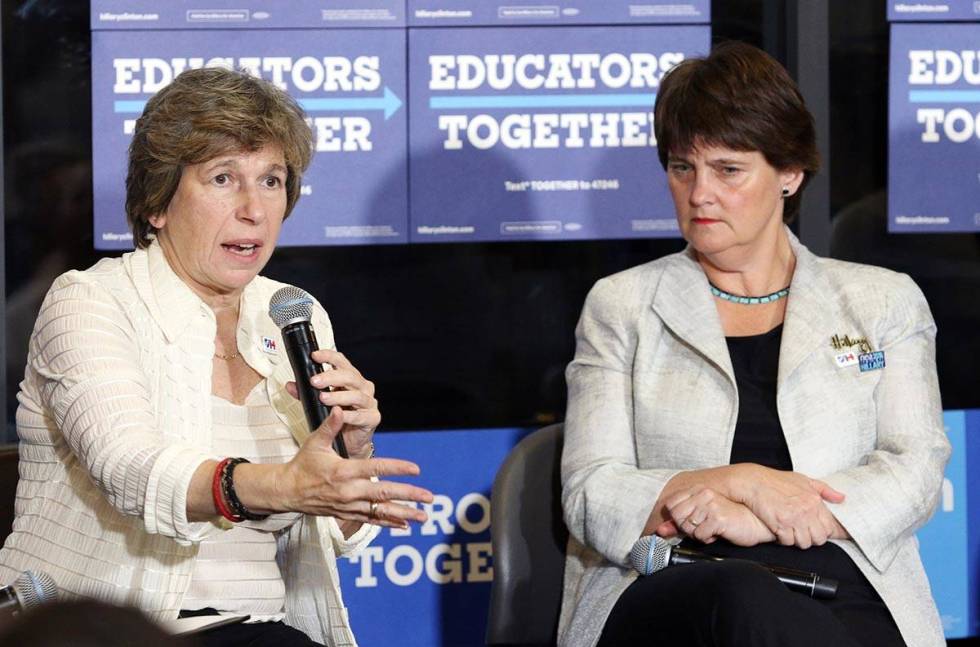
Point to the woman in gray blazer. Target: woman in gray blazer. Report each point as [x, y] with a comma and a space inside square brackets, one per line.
[751, 400]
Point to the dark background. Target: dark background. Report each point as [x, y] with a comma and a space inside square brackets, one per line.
[466, 335]
[462, 335]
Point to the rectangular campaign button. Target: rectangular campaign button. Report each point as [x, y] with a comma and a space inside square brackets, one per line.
[846, 359]
[871, 361]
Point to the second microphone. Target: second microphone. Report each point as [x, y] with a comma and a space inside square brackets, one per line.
[652, 553]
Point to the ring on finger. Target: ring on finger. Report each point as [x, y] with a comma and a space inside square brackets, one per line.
[374, 509]
[694, 523]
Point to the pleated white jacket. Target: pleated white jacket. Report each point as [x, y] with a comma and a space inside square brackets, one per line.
[115, 417]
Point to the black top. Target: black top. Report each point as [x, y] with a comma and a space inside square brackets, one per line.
[759, 439]
[758, 434]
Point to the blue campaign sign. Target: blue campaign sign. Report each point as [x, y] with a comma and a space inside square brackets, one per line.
[430, 585]
[540, 132]
[934, 128]
[944, 541]
[933, 10]
[973, 536]
[588, 12]
[350, 82]
[245, 14]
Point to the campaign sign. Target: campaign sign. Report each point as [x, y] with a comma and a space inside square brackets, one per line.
[945, 542]
[933, 10]
[973, 536]
[590, 12]
[430, 584]
[934, 128]
[540, 133]
[245, 14]
[350, 82]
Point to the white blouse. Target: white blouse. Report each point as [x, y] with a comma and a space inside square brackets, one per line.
[236, 571]
[116, 415]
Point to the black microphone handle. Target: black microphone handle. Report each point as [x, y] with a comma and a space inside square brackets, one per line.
[800, 581]
[9, 603]
[300, 343]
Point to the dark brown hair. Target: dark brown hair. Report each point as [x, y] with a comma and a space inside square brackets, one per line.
[202, 114]
[738, 97]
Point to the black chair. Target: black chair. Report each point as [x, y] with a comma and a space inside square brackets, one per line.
[529, 538]
[8, 489]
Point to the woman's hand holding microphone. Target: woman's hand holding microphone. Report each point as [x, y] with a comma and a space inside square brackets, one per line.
[319, 482]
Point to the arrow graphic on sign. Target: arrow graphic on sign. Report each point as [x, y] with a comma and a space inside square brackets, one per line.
[944, 96]
[389, 103]
[489, 101]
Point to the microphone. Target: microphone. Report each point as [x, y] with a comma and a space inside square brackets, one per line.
[291, 310]
[31, 589]
[652, 553]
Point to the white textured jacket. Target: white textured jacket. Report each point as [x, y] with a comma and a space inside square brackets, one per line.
[115, 417]
[651, 392]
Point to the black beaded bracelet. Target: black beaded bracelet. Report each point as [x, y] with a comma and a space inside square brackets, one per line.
[228, 489]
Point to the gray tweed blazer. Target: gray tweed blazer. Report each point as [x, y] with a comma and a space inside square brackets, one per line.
[651, 392]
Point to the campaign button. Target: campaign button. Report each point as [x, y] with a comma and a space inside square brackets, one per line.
[871, 361]
[846, 359]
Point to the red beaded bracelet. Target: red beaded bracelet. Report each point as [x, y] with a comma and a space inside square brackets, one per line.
[230, 497]
[216, 493]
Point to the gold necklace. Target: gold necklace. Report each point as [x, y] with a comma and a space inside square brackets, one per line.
[227, 358]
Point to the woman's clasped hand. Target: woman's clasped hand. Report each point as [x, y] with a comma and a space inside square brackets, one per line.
[758, 505]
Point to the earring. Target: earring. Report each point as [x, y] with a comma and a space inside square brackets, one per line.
[785, 192]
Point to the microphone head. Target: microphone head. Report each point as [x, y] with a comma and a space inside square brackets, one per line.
[290, 305]
[34, 589]
[650, 554]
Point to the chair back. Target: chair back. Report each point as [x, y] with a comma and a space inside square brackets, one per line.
[529, 537]
[8, 489]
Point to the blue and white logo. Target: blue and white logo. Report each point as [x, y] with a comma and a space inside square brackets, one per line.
[871, 361]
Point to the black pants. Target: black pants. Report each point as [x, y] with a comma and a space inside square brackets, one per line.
[258, 634]
[736, 603]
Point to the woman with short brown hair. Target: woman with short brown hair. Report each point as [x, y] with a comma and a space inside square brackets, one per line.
[165, 461]
[749, 400]
[199, 116]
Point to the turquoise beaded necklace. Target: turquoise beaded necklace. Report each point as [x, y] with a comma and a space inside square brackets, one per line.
[748, 301]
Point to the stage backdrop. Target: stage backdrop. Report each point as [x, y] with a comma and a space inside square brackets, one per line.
[605, 12]
[349, 81]
[933, 10]
[934, 126]
[245, 14]
[531, 130]
[540, 132]
[950, 543]
[430, 586]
